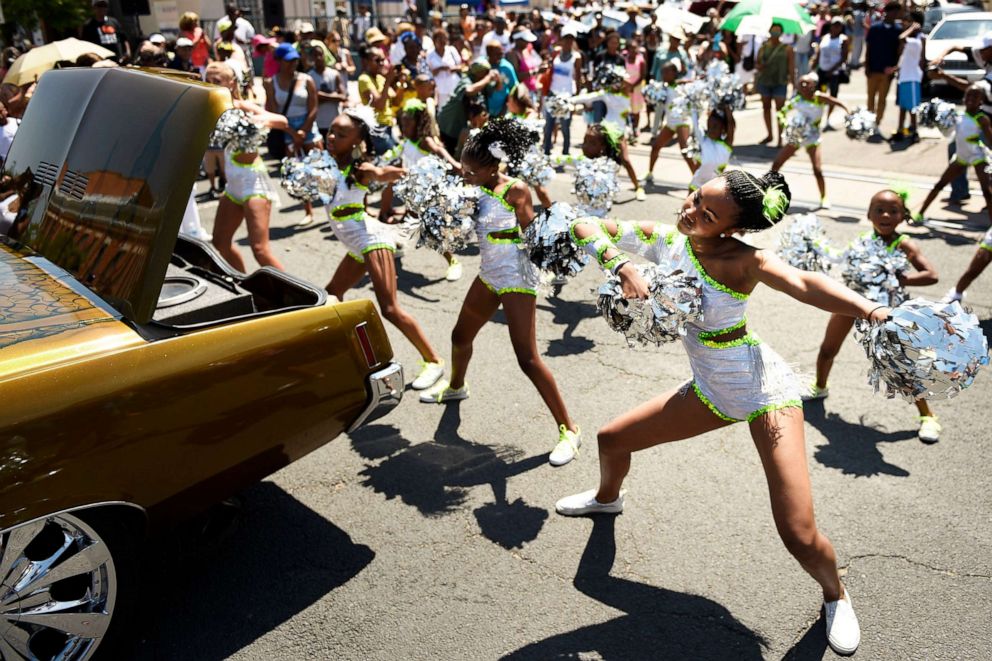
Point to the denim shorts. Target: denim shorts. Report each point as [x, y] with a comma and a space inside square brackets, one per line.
[774, 91]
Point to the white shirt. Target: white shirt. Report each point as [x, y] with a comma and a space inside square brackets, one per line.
[909, 62]
[445, 80]
[7, 132]
[831, 51]
[329, 81]
[243, 31]
[503, 39]
[563, 75]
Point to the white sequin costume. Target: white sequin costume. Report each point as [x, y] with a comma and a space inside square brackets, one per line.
[617, 105]
[673, 118]
[739, 379]
[351, 225]
[246, 180]
[813, 111]
[714, 155]
[505, 267]
[968, 140]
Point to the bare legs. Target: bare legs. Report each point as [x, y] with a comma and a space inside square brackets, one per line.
[950, 174]
[815, 158]
[766, 111]
[382, 271]
[256, 211]
[479, 306]
[779, 438]
[662, 140]
[978, 263]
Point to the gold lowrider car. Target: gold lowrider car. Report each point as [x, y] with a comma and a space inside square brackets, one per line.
[141, 378]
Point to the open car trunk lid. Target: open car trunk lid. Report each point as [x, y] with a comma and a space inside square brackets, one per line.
[104, 161]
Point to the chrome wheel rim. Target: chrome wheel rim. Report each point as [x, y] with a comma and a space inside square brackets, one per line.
[57, 590]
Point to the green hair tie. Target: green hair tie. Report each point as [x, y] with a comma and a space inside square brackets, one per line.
[774, 202]
[902, 190]
[414, 105]
[613, 133]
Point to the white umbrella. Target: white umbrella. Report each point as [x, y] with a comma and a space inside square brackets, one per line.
[757, 26]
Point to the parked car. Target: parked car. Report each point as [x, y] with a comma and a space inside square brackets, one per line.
[961, 29]
[141, 378]
[936, 12]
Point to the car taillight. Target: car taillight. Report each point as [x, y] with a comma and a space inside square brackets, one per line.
[362, 332]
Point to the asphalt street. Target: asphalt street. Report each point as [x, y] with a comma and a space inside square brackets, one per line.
[431, 533]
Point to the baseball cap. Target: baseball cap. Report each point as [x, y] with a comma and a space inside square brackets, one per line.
[986, 40]
[157, 39]
[184, 42]
[286, 52]
[526, 35]
[306, 28]
[224, 24]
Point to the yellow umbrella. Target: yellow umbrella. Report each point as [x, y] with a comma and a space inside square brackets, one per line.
[28, 67]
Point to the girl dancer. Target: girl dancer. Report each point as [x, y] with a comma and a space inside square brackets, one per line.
[506, 277]
[972, 131]
[415, 126]
[248, 195]
[676, 124]
[885, 211]
[715, 147]
[604, 139]
[735, 376]
[810, 103]
[370, 250]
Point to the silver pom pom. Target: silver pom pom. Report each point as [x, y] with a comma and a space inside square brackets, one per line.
[798, 129]
[558, 106]
[235, 129]
[442, 207]
[872, 270]
[675, 299]
[308, 178]
[550, 243]
[609, 76]
[860, 124]
[596, 182]
[534, 168]
[692, 149]
[937, 113]
[656, 92]
[724, 87]
[804, 246]
[924, 350]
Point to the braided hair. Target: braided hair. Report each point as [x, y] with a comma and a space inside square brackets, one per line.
[763, 201]
[365, 132]
[505, 136]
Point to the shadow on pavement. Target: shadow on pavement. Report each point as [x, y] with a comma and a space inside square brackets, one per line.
[812, 646]
[568, 314]
[851, 447]
[212, 596]
[657, 623]
[435, 477]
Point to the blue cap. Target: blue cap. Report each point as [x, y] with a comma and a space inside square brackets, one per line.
[286, 51]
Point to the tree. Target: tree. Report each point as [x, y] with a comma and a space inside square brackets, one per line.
[57, 18]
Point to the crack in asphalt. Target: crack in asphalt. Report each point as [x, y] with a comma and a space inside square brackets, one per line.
[896, 556]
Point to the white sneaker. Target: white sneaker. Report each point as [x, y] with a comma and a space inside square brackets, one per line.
[952, 295]
[429, 374]
[929, 429]
[585, 503]
[640, 195]
[442, 393]
[454, 271]
[307, 221]
[824, 203]
[567, 448]
[843, 632]
[815, 392]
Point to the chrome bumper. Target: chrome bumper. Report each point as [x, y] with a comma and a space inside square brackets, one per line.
[385, 389]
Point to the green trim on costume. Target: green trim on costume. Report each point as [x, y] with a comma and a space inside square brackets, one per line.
[357, 258]
[611, 237]
[243, 200]
[578, 241]
[985, 246]
[891, 247]
[609, 264]
[788, 404]
[507, 290]
[502, 241]
[741, 296]
[644, 238]
[378, 246]
[670, 237]
[710, 334]
[710, 405]
[750, 340]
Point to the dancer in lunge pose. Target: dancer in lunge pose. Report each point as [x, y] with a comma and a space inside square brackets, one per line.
[506, 276]
[735, 377]
[370, 250]
[885, 211]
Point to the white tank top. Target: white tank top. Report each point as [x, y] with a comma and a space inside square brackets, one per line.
[298, 106]
[563, 75]
[909, 62]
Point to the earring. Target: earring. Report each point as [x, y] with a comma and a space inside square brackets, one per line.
[356, 152]
[722, 235]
